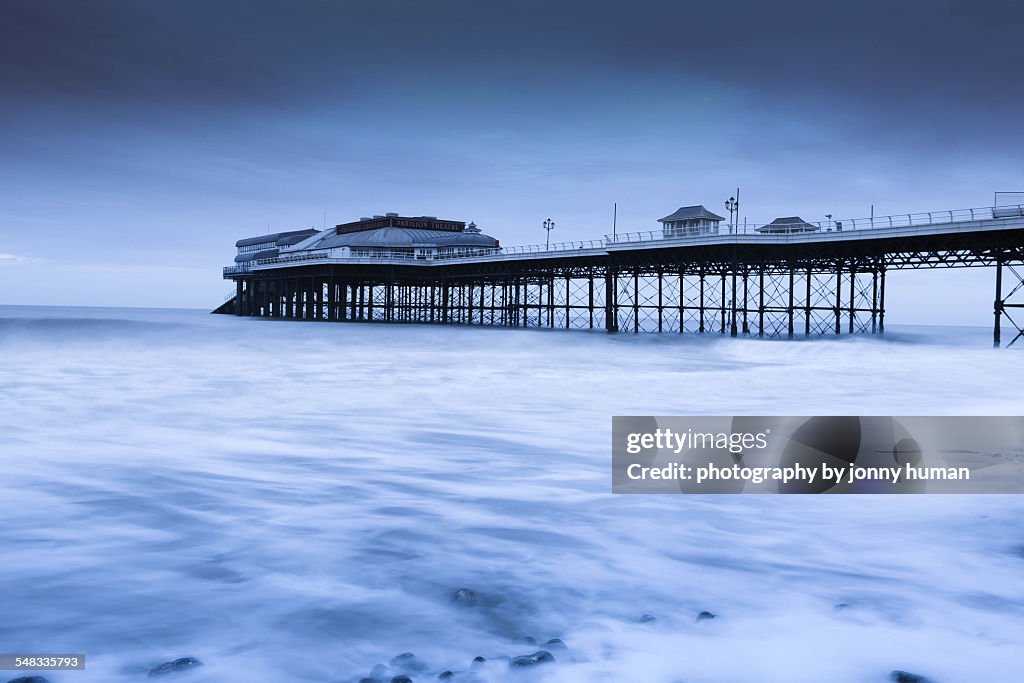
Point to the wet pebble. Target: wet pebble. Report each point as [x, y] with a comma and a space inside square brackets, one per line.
[175, 666]
[538, 657]
[705, 615]
[407, 662]
[555, 644]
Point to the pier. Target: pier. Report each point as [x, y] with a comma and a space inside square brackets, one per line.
[780, 280]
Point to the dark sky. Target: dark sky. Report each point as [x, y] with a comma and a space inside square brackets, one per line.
[144, 137]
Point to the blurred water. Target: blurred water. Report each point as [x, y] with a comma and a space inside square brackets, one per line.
[293, 501]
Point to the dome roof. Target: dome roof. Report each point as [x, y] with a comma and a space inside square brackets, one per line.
[405, 237]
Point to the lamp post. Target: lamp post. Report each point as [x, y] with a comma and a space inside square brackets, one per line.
[732, 205]
[549, 225]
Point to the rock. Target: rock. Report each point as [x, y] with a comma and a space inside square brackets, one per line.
[445, 675]
[465, 598]
[555, 644]
[407, 661]
[379, 673]
[529, 640]
[648, 618]
[369, 680]
[401, 679]
[175, 666]
[705, 615]
[538, 657]
[477, 662]
[29, 679]
[898, 676]
[841, 606]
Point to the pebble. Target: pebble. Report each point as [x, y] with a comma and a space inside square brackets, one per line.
[407, 661]
[705, 615]
[180, 664]
[538, 657]
[555, 644]
[898, 676]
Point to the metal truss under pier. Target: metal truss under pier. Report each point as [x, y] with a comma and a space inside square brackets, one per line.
[759, 300]
[736, 285]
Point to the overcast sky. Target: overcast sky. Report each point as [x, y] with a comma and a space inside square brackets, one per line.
[139, 139]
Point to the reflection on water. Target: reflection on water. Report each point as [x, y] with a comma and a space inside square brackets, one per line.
[299, 502]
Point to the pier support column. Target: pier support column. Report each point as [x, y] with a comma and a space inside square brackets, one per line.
[1003, 305]
[661, 301]
[760, 301]
[881, 301]
[853, 308]
[332, 300]
[568, 312]
[874, 301]
[682, 301]
[344, 301]
[611, 308]
[746, 300]
[701, 305]
[590, 299]
[636, 300]
[998, 307]
[839, 299]
[791, 310]
[733, 331]
[807, 306]
[725, 310]
[551, 301]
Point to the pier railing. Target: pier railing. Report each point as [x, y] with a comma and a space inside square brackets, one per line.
[839, 225]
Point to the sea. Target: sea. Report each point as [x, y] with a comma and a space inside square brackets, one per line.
[299, 501]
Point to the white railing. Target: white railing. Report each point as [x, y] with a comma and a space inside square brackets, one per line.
[383, 255]
[901, 220]
[833, 228]
[557, 247]
[297, 256]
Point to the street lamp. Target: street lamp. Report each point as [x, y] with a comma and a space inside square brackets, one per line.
[732, 205]
[549, 225]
